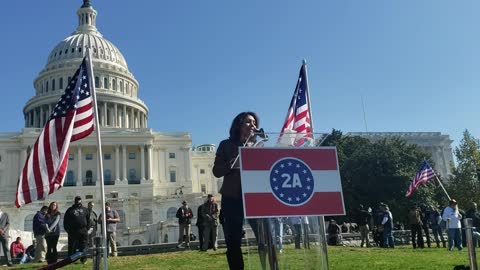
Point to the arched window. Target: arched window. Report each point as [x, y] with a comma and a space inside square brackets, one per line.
[60, 83]
[28, 223]
[114, 84]
[107, 177]
[171, 212]
[89, 178]
[136, 242]
[105, 83]
[70, 181]
[146, 217]
[97, 82]
[46, 86]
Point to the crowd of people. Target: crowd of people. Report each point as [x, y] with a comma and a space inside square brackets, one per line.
[79, 222]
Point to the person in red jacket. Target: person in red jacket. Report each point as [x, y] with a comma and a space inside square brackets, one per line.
[17, 250]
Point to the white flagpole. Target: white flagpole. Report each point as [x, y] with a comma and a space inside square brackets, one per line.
[100, 160]
[440, 182]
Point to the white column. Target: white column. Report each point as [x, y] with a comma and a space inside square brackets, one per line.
[115, 113]
[35, 120]
[149, 163]
[42, 123]
[79, 160]
[124, 159]
[142, 162]
[117, 163]
[125, 117]
[131, 119]
[186, 172]
[105, 114]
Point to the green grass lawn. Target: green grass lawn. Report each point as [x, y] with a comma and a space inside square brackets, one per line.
[402, 257]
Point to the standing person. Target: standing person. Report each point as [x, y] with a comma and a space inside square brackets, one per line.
[53, 219]
[4, 225]
[40, 228]
[363, 220]
[92, 230]
[210, 218]
[242, 133]
[415, 220]
[297, 230]
[387, 222]
[112, 219]
[378, 232]
[435, 220]
[184, 215]
[200, 226]
[452, 216]
[474, 214]
[306, 231]
[425, 224]
[17, 249]
[76, 223]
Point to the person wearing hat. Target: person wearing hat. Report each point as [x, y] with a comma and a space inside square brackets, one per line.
[184, 215]
[210, 219]
[452, 216]
[76, 222]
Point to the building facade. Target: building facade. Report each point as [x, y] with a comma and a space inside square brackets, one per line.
[437, 144]
[146, 173]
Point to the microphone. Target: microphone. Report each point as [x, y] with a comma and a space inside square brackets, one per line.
[260, 133]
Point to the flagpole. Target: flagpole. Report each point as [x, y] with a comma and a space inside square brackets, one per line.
[440, 182]
[100, 161]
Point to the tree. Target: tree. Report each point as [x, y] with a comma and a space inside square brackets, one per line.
[380, 171]
[464, 185]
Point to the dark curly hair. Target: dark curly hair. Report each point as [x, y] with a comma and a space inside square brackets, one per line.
[235, 128]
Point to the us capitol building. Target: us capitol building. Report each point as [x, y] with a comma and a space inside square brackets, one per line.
[147, 174]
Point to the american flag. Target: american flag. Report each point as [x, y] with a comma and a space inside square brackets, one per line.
[298, 120]
[424, 175]
[70, 120]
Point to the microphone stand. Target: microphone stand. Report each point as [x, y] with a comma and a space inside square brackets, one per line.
[263, 137]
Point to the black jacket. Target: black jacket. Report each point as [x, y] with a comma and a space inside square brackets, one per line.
[226, 153]
[184, 215]
[76, 218]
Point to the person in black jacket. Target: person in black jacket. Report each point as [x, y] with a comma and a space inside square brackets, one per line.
[76, 223]
[200, 226]
[40, 228]
[242, 133]
[184, 214]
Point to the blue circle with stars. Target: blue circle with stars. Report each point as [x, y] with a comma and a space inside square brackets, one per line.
[291, 181]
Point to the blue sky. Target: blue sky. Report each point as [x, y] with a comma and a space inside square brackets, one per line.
[199, 63]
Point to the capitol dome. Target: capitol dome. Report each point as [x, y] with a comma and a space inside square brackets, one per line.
[116, 87]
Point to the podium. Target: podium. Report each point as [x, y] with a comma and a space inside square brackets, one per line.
[288, 184]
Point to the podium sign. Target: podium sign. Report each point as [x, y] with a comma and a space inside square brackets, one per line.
[283, 182]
